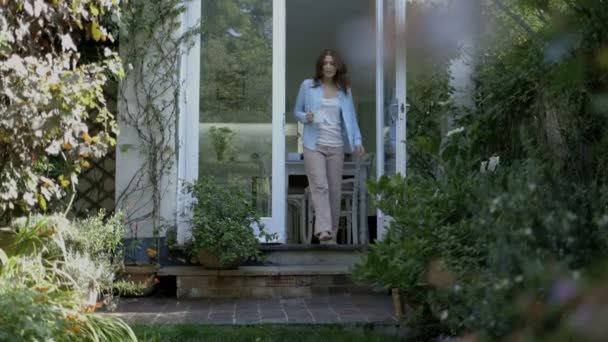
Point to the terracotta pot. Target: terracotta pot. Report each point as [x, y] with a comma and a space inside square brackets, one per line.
[212, 261]
[142, 274]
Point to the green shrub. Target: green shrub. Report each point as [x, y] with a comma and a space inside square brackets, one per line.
[222, 221]
[45, 288]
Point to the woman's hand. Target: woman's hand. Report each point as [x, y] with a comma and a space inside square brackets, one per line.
[310, 117]
[359, 150]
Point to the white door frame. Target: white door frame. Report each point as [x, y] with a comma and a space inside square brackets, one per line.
[188, 127]
[277, 223]
[380, 106]
[400, 95]
[401, 87]
[188, 130]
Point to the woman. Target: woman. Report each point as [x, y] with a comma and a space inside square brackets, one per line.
[325, 107]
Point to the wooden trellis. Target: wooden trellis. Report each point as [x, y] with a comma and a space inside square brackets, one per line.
[96, 186]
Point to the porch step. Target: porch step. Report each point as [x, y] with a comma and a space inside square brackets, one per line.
[292, 281]
[291, 254]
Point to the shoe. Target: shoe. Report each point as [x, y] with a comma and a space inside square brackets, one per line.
[324, 236]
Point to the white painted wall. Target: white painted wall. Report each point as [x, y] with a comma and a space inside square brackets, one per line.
[130, 155]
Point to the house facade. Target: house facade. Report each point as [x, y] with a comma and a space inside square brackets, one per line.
[238, 80]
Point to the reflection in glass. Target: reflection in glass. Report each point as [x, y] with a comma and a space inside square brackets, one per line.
[236, 95]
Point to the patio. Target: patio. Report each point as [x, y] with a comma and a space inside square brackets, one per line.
[331, 309]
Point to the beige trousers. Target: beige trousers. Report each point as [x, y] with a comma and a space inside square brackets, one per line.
[324, 171]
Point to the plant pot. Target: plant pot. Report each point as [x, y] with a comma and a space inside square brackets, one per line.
[90, 301]
[397, 303]
[141, 274]
[212, 261]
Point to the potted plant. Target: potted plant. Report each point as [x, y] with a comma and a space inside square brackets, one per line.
[221, 139]
[222, 224]
[141, 276]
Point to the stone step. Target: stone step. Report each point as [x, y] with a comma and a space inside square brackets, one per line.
[291, 254]
[291, 281]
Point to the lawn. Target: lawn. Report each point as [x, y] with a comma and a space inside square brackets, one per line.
[183, 333]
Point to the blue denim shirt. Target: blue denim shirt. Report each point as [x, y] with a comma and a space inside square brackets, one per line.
[309, 100]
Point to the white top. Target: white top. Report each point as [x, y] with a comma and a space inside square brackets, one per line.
[330, 123]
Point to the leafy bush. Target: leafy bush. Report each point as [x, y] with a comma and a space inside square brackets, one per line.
[519, 205]
[100, 236]
[49, 97]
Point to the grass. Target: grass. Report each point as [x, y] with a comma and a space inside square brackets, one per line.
[186, 332]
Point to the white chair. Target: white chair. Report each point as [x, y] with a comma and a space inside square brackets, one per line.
[298, 230]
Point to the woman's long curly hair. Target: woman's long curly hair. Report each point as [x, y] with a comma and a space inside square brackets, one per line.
[340, 78]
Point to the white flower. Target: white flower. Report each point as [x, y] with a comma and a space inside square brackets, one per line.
[455, 131]
[483, 167]
[28, 197]
[10, 190]
[54, 148]
[493, 163]
[68, 44]
[519, 279]
[444, 315]
[16, 63]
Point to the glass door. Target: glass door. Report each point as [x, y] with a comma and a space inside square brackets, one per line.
[242, 101]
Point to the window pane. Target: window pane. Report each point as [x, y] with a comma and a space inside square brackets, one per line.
[236, 95]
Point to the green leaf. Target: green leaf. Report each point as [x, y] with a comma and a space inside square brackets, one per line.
[96, 32]
[94, 10]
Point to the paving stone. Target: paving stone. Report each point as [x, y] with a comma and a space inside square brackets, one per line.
[302, 316]
[202, 305]
[177, 306]
[171, 317]
[346, 311]
[325, 317]
[273, 320]
[143, 317]
[196, 317]
[221, 318]
[228, 307]
[270, 304]
[247, 306]
[294, 306]
[248, 320]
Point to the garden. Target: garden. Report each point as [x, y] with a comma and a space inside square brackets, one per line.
[499, 231]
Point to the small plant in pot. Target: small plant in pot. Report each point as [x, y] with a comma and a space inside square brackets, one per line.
[222, 224]
[221, 139]
[138, 279]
